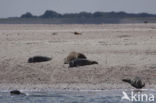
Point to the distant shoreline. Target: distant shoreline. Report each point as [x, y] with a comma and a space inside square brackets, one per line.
[52, 17]
[77, 20]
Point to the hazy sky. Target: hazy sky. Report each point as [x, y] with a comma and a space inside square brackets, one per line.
[12, 8]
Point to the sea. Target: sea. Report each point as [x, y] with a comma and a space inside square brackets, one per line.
[88, 96]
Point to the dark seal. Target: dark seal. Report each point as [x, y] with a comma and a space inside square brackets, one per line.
[16, 92]
[81, 62]
[36, 59]
[136, 82]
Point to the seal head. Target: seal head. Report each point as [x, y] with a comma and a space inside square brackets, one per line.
[74, 55]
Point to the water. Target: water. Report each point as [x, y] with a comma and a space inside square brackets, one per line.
[112, 96]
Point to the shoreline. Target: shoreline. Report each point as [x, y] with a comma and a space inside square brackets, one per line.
[72, 87]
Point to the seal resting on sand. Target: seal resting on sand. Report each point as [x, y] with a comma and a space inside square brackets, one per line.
[74, 55]
[16, 92]
[81, 62]
[77, 33]
[36, 59]
[136, 82]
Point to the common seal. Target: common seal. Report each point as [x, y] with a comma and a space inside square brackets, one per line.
[16, 92]
[136, 82]
[81, 62]
[38, 59]
[77, 33]
[74, 55]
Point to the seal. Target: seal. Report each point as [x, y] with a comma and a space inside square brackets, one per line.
[81, 62]
[16, 92]
[136, 82]
[36, 59]
[74, 55]
[77, 33]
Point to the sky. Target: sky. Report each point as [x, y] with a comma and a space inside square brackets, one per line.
[15, 8]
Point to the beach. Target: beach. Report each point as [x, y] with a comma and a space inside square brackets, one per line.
[121, 50]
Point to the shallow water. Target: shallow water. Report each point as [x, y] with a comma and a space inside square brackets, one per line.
[111, 96]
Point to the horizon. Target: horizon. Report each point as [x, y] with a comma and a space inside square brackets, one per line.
[77, 13]
[37, 7]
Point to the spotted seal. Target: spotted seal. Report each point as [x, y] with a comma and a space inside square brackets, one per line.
[81, 62]
[136, 82]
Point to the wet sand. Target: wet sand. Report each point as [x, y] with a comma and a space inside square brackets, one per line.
[122, 50]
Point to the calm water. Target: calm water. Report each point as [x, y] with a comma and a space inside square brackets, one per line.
[113, 96]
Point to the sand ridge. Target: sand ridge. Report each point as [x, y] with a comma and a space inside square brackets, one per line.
[122, 50]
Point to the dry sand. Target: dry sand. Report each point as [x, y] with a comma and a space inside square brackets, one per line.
[122, 50]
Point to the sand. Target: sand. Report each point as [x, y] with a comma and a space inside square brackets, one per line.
[122, 51]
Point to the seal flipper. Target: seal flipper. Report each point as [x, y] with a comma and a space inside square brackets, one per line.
[94, 62]
[127, 80]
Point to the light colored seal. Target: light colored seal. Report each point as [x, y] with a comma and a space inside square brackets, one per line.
[74, 55]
